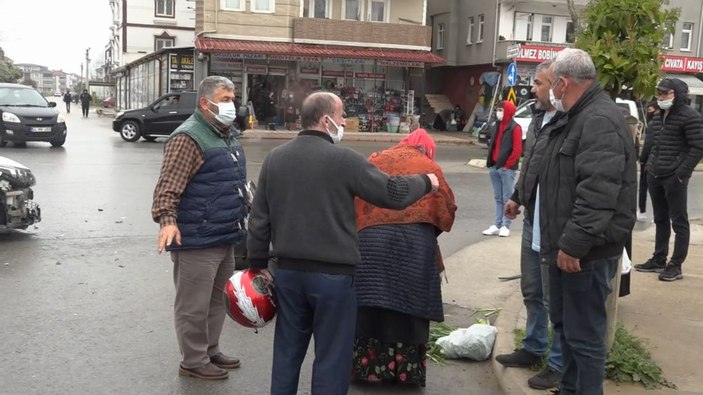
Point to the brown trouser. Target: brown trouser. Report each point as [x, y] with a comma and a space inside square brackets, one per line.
[200, 276]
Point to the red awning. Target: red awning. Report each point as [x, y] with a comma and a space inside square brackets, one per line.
[313, 50]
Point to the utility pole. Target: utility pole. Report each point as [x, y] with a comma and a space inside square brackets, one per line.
[87, 69]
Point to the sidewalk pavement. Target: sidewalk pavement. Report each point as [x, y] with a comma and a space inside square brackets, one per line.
[459, 138]
[665, 315]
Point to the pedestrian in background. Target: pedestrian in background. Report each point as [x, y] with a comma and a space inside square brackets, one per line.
[503, 160]
[652, 110]
[200, 205]
[85, 99]
[67, 100]
[398, 283]
[672, 152]
[534, 276]
[304, 209]
[588, 198]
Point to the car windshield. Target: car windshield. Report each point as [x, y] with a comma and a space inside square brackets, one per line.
[12, 96]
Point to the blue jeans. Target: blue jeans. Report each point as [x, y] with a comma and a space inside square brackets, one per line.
[503, 181]
[319, 305]
[577, 308]
[534, 284]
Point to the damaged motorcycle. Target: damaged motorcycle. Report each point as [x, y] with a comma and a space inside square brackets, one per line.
[17, 207]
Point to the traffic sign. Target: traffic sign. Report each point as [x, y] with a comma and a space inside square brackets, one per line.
[511, 96]
[513, 51]
[512, 74]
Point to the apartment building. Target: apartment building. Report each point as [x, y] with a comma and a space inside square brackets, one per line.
[372, 53]
[42, 77]
[150, 50]
[481, 38]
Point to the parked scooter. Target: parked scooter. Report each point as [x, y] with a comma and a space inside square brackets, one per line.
[17, 209]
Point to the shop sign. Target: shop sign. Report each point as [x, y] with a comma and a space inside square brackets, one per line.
[333, 73]
[400, 63]
[278, 70]
[293, 58]
[682, 64]
[251, 69]
[233, 55]
[370, 76]
[180, 62]
[537, 53]
[309, 70]
[225, 64]
[349, 61]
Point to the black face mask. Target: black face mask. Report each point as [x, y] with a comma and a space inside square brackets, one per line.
[650, 115]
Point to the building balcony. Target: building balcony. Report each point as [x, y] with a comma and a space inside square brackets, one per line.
[366, 34]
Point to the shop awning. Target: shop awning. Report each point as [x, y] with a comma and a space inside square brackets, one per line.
[695, 86]
[209, 45]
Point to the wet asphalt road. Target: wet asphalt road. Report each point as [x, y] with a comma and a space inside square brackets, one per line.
[87, 302]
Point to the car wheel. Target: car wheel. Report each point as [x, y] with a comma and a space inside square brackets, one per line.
[129, 131]
[150, 139]
[57, 143]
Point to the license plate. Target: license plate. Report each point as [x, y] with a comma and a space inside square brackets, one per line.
[41, 129]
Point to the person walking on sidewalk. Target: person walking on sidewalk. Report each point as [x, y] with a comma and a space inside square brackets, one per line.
[85, 102]
[67, 100]
[534, 279]
[200, 204]
[304, 208]
[588, 198]
[672, 152]
[503, 160]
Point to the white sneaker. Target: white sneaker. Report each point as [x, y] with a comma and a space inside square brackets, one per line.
[504, 232]
[641, 217]
[491, 231]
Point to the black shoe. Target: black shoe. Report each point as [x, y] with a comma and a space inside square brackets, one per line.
[671, 273]
[544, 380]
[518, 359]
[650, 266]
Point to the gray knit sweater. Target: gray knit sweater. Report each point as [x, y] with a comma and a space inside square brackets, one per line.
[304, 204]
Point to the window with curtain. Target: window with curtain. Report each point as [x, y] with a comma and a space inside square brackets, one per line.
[320, 8]
[236, 5]
[440, 36]
[378, 10]
[546, 29]
[165, 8]
[470, 30]
[686, 33]
[262, 5]
[352, 10]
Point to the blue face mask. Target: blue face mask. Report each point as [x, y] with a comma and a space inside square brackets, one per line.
[337, 137]
[227, 112]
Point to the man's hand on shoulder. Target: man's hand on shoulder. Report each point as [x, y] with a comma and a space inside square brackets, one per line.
[434, 181]
[167, 235]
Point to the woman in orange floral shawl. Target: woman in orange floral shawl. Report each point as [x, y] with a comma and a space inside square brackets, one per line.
[398, 282]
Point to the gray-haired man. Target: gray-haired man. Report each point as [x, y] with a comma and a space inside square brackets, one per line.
[199, 203]
[588, 192]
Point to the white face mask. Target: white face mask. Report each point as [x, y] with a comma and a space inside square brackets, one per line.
[556, 103]
[499, 115]
[665, 104]
[227, 112]
[337, 138]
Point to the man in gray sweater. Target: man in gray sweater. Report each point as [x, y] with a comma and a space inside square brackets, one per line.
[303, 215]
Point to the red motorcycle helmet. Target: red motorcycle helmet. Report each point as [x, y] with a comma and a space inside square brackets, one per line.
[249, 298]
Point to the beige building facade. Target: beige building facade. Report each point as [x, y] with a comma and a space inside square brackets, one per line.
[372, 53]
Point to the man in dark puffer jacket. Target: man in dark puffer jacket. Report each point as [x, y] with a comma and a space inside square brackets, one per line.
[671, 153]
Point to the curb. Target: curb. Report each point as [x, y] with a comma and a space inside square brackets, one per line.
[252, 134]
[512, 381]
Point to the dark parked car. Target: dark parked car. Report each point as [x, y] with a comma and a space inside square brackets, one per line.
[162, 117]
[26, 115]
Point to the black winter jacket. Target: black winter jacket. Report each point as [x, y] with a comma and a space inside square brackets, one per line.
[537, 136]
[674, 143]
[588, 181]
